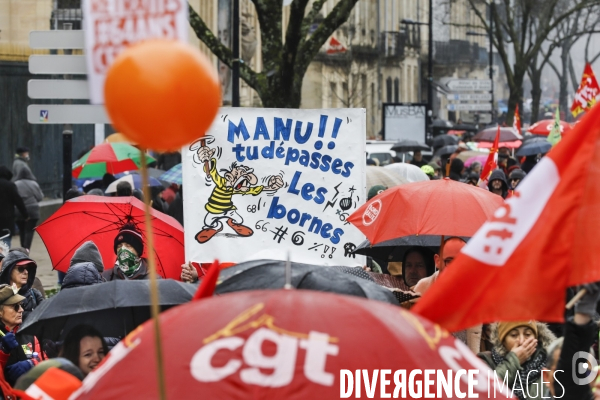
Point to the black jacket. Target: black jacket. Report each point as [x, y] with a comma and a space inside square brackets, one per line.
[115, 273]
[32, 297]
[499, 174]
[82, 274]
[577, 338]
[9, 199]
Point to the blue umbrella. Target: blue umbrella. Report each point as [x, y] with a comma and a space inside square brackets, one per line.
[174, 175]
[134, 180]
[534, 146]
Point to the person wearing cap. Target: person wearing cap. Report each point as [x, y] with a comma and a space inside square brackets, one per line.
[129, 247]
[519, 353]
[429, 171]
[21, 162]
[375, 190]
[19, 270]
[23, 350]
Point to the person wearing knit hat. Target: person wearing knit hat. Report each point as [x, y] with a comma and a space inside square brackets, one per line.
[129, 248]
[375, 190]
[519, 353]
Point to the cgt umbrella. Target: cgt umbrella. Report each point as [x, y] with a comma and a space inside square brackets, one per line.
[408, 172]
[446, 150]
[135, 180]
[441, 207]
[544, 127]
[279, 344]
[534, 146]
[444, 140]
[270, 274]
[382, 176]
[174, 175]
[409, 145]
[109, 158]
[99, 219]
[489, 135]
[115, 308]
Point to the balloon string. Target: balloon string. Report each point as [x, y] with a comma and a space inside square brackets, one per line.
[154, 308]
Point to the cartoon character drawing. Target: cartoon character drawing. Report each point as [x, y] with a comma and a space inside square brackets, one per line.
[236, 180]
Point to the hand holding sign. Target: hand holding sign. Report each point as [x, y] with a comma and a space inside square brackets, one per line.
[205, 153]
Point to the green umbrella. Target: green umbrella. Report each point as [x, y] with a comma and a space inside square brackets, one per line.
[112, 158]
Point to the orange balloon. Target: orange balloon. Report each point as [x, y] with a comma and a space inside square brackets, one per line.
[162, 94]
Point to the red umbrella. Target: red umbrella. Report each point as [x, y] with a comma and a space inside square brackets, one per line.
[510, 145]
[442, 207]
[99, 219]
[278, 344]
[507, 134]
[544, 127]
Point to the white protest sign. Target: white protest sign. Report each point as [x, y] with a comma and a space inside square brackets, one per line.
[278, 180]
[112, 25]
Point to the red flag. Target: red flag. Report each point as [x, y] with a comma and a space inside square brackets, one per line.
[541, 241]
[492, 160]
[335, 46]
[209, 282]
[586, 94]
[517, 121]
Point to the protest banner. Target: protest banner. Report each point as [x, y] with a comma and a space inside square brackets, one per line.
[112, 25]
[276, 180]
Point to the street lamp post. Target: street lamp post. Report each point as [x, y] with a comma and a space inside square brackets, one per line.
[429, 62]
[490, 55]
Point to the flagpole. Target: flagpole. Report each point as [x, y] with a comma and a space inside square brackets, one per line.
[575, 299]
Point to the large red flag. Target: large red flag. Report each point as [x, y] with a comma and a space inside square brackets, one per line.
[541, 241]
[586, 94]
[492, 160]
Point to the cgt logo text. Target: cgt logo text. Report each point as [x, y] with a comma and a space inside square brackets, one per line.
[440, 384]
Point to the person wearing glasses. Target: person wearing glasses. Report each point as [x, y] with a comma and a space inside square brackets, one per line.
[18, 353]
[19, 270]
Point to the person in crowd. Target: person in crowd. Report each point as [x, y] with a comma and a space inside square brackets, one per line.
[166, 161]
[472, 179]
[19, 270]
[37, 284]
[504, 152]
[9, 199]
[107, 179]
[375, 190]
[21, 162]
[417, 263]
[475, 168]
[157, 201]
[124, 189]
[175, 209]
[497, 183]
[418, 159]
[457, 169]
[452, 247]
[96, 192]
[515, 177]
[579, 333]
[436, 169]
[85, 268]
[31, 193]
[519, 352]
[85, 347]
[72, 193]
[129, 247]
[429, 171]
[137, 193]
[23, 351]
[529, 163]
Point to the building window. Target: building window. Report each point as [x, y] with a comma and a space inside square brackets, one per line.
[396, 90]
[334, 96]
[388, 84]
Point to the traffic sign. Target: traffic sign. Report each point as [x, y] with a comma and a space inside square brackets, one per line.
[470, 107]
[67, 114]
[469, 85]
[57, 89]
[469, 96]
[56, 40]
[57, 64]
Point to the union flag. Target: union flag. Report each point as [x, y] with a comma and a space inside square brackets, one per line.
[586, 94]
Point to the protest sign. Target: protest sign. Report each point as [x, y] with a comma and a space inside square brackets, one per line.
[275, 180]
[112, 25]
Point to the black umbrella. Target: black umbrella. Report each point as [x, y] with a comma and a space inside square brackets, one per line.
[270, 274]
[440, 123]
[114, 308]
[444, 140]
[394, 250]
[534, 146]
[409, 145]
[444, 151]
